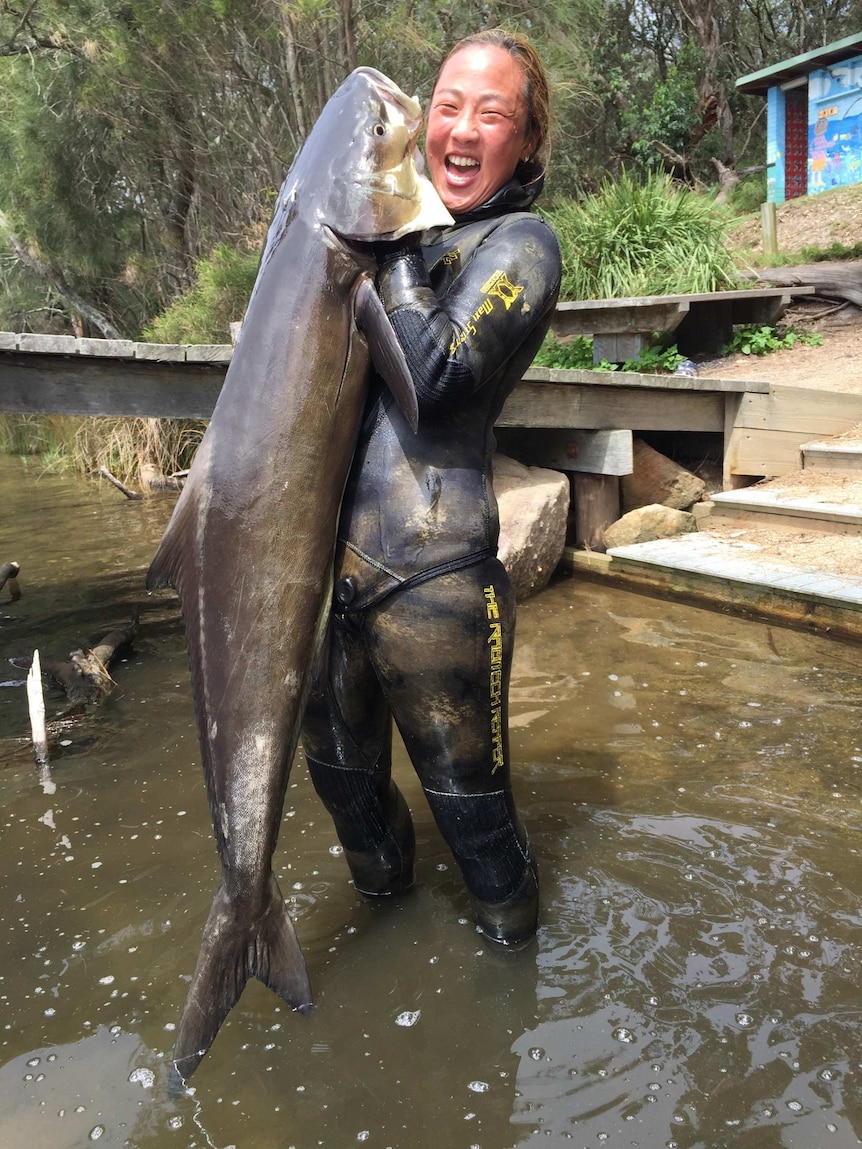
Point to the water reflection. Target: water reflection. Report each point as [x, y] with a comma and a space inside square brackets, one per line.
[691, 782]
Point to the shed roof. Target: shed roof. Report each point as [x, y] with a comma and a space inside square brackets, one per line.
[767, 78]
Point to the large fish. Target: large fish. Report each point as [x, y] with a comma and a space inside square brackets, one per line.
[249, 547]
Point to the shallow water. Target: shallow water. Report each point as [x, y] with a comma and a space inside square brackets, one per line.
[692, 785]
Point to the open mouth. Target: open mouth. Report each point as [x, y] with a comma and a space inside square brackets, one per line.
[461, 169]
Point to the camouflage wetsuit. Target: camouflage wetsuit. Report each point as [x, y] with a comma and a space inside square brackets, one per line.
[423, 621]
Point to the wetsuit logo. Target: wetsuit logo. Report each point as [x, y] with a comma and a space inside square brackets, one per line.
[499, 286]
[495, 646]
[502, 287]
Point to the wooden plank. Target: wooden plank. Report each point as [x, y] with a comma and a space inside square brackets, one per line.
[618, 316]
[71, 385]
[597, 505]
[107, 348]
[614, 379]
[803, 409]
[764, 453]
[48, 344]
[832, 457]
[161, 352]
[591, 452]
[545, 405]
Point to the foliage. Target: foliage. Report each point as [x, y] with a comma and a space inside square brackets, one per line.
[574, 355]
[633, 238]
[218, 297]
[577, 354]
[752, 339]
[748, 195]
[127, 447]
[671, 114]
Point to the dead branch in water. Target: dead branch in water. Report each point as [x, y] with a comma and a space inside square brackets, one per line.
[127, 491]
[84, 676]
[9, 574]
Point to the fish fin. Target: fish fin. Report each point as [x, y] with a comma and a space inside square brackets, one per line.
[166, 567]
[230, 954]
[385, 350]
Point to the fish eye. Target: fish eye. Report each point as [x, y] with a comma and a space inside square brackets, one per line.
[379, 130]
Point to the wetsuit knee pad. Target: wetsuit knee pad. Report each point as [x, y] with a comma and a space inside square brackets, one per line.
[489, 844]
[373, 824]
[493, 852]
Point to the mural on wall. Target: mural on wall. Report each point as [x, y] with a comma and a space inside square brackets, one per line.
[835, 126]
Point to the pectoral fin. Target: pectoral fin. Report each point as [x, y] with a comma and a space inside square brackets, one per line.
[386, 353]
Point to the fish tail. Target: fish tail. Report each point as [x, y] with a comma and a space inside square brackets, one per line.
[230, 954]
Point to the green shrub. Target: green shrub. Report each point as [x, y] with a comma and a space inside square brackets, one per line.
[751, 339]
[577, 354]
[219, 296]
[748, 195]
[650, 238]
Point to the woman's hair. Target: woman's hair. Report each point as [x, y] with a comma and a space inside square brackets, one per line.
[536, 92]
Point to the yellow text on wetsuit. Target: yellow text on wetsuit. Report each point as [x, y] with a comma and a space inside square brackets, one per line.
[495, 646]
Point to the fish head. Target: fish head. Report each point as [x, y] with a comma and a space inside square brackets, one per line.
[365, 148]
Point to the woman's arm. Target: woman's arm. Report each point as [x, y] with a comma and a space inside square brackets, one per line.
[455, 343]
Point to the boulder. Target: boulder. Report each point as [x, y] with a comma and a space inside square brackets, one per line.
[648, 523]
[657, 479]
[534, 506]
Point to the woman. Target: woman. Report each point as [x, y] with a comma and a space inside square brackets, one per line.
[423, 621]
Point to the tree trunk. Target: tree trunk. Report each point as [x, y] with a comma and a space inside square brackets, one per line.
[57, 280]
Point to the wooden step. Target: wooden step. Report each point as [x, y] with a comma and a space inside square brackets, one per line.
[777, 509]
[726, 573]
[832, 455]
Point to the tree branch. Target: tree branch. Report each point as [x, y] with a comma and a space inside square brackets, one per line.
[58, 282]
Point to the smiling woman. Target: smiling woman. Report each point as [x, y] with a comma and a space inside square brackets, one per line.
[422, 628]
[477, 125]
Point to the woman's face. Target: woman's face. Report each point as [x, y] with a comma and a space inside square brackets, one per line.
[477, 125]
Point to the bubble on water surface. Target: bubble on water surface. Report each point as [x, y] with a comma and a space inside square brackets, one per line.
[336, 851]
[408, 1017]
[744, 1019]
[96, 1132]
[108, 979]
[144, 1077]
[624, 1035]
[536, 1053]
[479, 1086]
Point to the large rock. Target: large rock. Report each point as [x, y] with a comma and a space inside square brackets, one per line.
[648, 523]
[534, 505]
[657, 479]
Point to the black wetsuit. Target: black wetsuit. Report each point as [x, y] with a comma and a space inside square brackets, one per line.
[422, 628]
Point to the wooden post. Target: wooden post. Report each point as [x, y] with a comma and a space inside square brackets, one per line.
[597, 505]
[769, 228]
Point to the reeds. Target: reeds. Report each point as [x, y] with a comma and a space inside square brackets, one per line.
[634, 239]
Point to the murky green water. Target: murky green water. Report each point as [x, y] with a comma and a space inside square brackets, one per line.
[692, 785]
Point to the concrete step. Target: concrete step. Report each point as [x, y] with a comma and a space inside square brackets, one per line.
[839, 454]
[775, 508]
[729, 573]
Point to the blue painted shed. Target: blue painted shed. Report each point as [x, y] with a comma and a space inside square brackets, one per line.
[814, 109]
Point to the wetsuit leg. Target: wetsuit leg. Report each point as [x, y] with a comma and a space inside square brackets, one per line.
[443, 648]
[347, 738]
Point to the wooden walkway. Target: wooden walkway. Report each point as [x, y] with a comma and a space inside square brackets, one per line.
[68, 376]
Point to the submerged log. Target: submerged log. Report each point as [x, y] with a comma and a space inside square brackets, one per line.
[85, 677]
[9, 575]
[835, 280]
